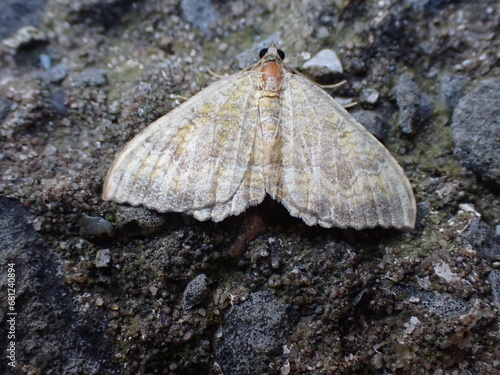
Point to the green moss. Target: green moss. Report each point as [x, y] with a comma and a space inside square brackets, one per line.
[435, 149]
[134, 326]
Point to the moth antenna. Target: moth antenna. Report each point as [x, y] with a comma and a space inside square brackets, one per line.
[334, 85]
[212, 73]
[350, 105]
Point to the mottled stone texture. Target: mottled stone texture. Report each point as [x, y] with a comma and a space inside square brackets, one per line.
[254, 330]
[475, 125]
[51, 335]
[415, 106]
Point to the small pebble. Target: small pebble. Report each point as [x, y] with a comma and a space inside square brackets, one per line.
[102, 258]
[153, 290]
[415, 107]
[91, 77]
[196, 291]
[45, 61]
[326, 61]
[94, 226]
[369, 96]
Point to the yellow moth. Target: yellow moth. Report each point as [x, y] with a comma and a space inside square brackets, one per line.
[264, 130]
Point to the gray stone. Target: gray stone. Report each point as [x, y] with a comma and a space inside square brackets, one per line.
[202, 14]
[494, 279]
[90, 77]
[45, 61]
[57, 73]
[254, 331]
[414, 106]
[5, 107]
[102, 258]
[373, 122]
[484, 239]
[451, 85]
[58, 101]
[94, 226]
[369, 96]
[326, 61]
[51, 335]
[475, 129]
[196, 291]
[15, 13]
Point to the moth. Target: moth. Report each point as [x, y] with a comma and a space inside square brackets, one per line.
[263, 131]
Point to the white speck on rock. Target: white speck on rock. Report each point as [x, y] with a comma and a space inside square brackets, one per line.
[102, 258]
[444, 271]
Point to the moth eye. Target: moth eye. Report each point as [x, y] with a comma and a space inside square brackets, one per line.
[281, 54]
[263, 52]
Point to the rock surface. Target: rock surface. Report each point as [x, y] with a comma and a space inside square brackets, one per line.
[254, 330]
[484, 239]
[52, 334]
[373, 122]
[451, 86]
[91, 77]
[475, 125]
[196, 291]
[201, 13]
[414, 106]
[15, 14]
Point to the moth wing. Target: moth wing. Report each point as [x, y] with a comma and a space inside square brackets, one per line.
[198, 158]
[334, 172]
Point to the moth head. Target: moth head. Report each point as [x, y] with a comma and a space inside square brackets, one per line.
[271, 54]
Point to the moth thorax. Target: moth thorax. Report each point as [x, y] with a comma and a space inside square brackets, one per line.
[272, 75]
